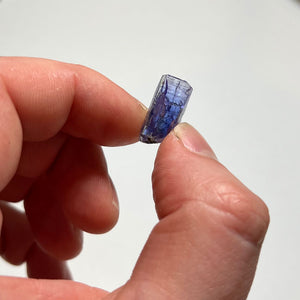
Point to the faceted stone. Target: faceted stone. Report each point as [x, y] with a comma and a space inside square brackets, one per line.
[166, 109]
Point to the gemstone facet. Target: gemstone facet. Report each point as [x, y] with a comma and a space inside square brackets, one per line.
[166, 109]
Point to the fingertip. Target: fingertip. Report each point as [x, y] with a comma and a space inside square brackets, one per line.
[193, 140]
[51, 96]
[186, 150]
[84, 188]
[182, 143]
[186, 170]
[102, 111]
[92, 203]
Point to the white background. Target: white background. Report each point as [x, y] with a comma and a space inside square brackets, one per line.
[243, 60]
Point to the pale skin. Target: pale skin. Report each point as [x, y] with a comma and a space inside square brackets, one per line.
[53, 116]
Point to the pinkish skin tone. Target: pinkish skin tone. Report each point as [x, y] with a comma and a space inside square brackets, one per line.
[53, 116]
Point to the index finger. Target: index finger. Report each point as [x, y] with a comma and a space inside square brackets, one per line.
[39, 98]
[50, 96]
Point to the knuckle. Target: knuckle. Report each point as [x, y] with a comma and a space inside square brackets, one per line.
[243, 211]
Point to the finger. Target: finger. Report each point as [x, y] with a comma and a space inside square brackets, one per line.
[50, 227]
[50, 95]
[75, 193]
[17, 245]
[39, 98]
[40, 265]
[16, 237]
[37, 157]
[12, 288]
[16, 189]
[84, 188]
[10, 137]
[207, 242]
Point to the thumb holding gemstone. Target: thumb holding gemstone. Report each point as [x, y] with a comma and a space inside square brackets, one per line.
[207, 242]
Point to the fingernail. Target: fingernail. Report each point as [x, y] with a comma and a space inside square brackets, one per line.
[115, 201]
[143, 106]
[193, 140]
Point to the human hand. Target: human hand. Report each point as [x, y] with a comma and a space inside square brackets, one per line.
[52, 116]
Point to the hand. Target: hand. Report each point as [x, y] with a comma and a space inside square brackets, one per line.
[52, 116]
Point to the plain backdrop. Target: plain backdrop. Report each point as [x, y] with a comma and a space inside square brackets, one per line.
[243, 60]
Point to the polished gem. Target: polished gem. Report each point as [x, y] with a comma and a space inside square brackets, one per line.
[166, 109]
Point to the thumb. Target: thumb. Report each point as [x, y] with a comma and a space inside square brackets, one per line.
[207, 242]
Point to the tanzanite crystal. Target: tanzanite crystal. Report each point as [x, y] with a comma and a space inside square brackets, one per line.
[166, 109]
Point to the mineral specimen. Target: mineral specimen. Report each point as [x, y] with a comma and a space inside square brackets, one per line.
[166, 109]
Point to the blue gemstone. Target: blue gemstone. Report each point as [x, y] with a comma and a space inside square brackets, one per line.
[166, 109]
